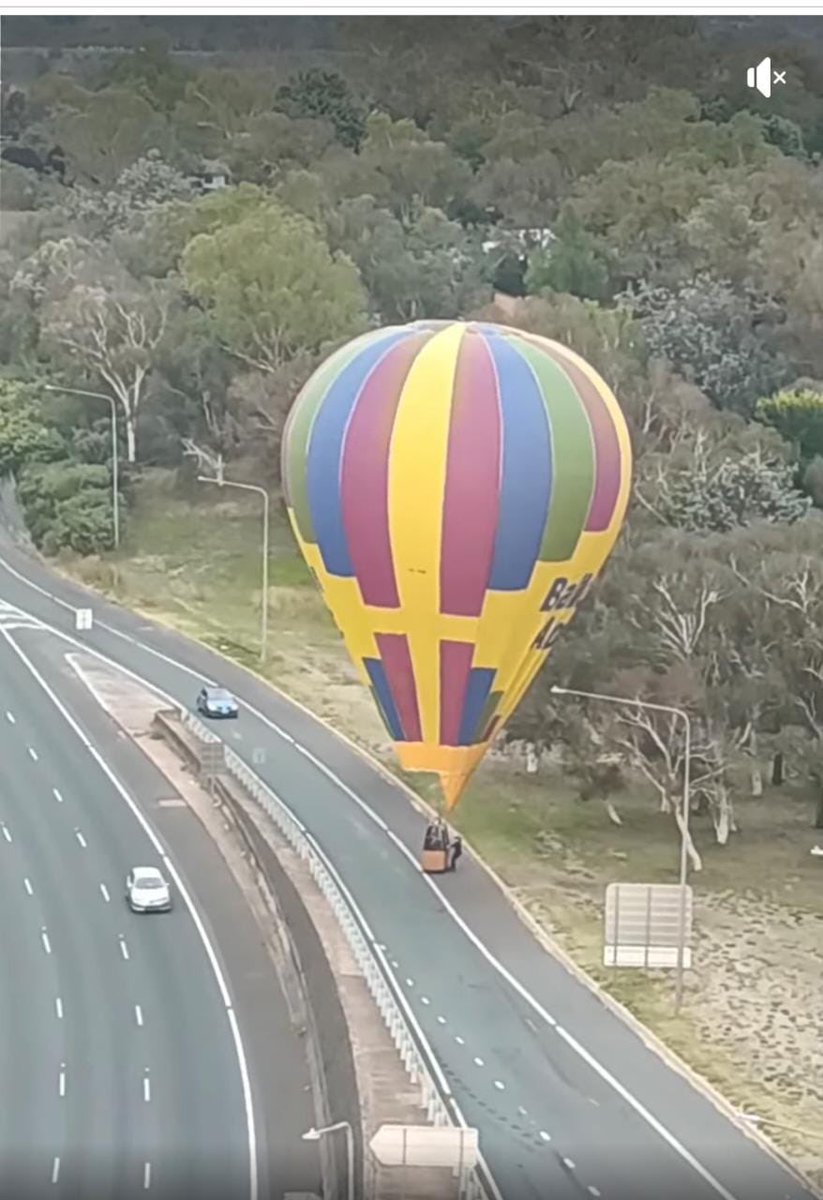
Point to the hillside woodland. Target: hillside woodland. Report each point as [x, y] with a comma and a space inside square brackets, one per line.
[190, 242]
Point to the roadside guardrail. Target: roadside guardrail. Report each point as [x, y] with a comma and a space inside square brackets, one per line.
[409, 1039]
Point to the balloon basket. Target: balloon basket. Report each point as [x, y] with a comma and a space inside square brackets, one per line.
[434, 862]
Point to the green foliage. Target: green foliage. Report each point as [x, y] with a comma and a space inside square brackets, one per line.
[23, 436]
[151, 73]
[711, 334]
[730, 493]
[139, 189]
[272, 287]
[67, 506]
[798, 416]
[326, 95]
[572, 263]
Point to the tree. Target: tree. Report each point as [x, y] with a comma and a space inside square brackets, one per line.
[67, 506]
[24, 438]
[273, 288]
[711, 334]
[97, 320]
[416, 170]
[727, 493]
[111, 132]
[427, 268]
[138, 190]
[326, 95]
[151, 73]
[572, 263]
[797, 415]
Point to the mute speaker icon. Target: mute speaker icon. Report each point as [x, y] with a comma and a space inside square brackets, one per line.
[762, 77]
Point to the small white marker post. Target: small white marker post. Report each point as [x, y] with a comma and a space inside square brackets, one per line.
[83, 619]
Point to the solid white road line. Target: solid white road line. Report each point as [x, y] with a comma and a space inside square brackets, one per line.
[55, 1170]
[147, 1175]
[28, 887]
[105, 893]
[138, 1014]
[173, 872]
[58, 1004]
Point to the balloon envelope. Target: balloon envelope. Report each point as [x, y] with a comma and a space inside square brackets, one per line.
[455, 488]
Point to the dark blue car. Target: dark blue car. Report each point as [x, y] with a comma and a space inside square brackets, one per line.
[217, 702]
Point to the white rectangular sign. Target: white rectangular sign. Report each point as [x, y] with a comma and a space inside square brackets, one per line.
[643, 925]
[425, 1146]
[83, 618]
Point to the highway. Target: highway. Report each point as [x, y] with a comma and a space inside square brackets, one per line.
[568, 1100]
[139, 1055]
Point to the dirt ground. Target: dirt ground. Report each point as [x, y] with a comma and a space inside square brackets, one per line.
[753, 1013]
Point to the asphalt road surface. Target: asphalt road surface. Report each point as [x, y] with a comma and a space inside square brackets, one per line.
[140, 1055]
[568, 1100]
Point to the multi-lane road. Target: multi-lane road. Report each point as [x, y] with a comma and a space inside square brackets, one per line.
[139, 1055]
[569, 1102]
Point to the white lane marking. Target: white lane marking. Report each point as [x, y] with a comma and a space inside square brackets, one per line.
[409, 983]
[28, 887]
[146, 1087]
[441, 1020]
[395, 964]
[124, 950]
[55, 1170]
[80, 838]
[147, 1175]
[32, 754]
[58, 1004]
[425, 1000]
[478, 1062]
[592, 1190]
[501, 1087]
[181, 887]
[105, 893]
[138, 1014]
[522, 1111]
[57, 796]
[10, 718]
[61, 1085]
[460, 1041]
[6, 834]
[545, 1136]
[569, 1163]
[44, 938]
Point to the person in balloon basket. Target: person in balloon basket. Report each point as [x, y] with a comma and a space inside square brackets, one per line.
[437, 838]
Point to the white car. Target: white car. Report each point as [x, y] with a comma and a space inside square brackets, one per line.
[147, 890]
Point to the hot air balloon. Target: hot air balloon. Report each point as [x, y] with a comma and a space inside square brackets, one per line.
[455, 488]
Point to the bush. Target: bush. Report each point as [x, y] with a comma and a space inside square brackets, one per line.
[67, 506]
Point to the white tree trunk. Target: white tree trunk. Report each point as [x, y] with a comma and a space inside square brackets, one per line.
[131, 439]
[532, 761]
[614, 815]
[694, 857]
[757, 781]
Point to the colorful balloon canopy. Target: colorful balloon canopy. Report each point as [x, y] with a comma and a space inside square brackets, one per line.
[455, 488]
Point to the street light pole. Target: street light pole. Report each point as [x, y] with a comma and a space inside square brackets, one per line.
[684, 825]
[314, 1135]
[115, 468]
[264, 606]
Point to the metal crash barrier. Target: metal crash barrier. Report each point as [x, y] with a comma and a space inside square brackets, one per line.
[409, 1039]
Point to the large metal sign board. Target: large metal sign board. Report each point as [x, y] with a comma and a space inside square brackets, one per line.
[425, 1146]
[643, 925]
